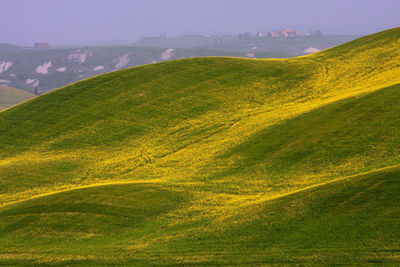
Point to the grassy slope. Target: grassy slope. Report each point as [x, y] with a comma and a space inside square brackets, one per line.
[350, 221]
[11, 96]
[231, 134]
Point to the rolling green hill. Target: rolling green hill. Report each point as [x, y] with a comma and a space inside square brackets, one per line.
[11, 96]
[210, 161]
[42, 70]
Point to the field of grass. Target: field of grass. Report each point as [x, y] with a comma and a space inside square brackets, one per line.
[210, 161]
[11, 96]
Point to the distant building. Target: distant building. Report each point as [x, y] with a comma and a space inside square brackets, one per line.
[274, 34]
[42, 45]
[260, 35]
[285, 33]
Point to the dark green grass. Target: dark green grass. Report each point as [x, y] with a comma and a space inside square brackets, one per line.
[345, 132]
[354, 221]
[86, 220]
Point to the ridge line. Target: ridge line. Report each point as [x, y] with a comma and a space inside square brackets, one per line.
[325, 183]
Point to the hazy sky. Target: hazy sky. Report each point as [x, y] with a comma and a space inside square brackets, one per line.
[68, 22]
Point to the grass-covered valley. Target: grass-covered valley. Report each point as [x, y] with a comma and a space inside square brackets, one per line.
[212, 160]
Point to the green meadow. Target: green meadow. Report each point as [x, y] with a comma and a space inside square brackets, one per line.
[11, 96]
[210, 161]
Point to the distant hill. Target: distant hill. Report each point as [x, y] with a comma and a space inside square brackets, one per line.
[7, 48]
[210, 161]
[11, 96]
[293, 46]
